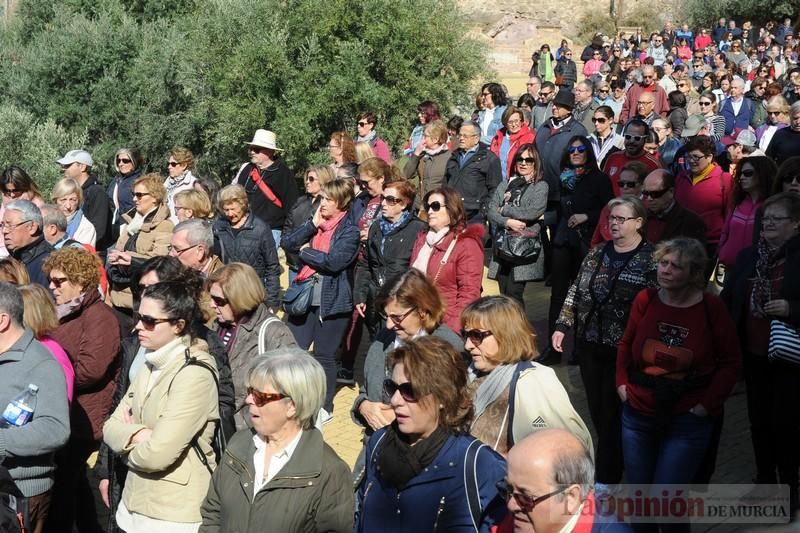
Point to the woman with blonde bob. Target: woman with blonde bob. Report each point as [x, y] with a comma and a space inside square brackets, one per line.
[512, 395]
[13, 271]
[298, 483]
[244, 323]
[192, 203]
[68, 196]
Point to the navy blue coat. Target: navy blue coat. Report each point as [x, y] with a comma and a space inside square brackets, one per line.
[435, 500]
[333, 267]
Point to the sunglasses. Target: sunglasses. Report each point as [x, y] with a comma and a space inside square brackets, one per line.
[475, 336]
[140, 195]
[123, 160]
[13, 193]
[58, 281]
[545, 94]
[362, 124]
[391, 200]
[525, 502]
[627, 184]
[396, 319]
[602, 90]
[172, 164]
[748, 173]
[773, 113]
[310, 178]
[433, 206]
[219, 301]
[601, 120]
[526, 160]
[654, 194]
[704, 103]
[634, 138]
[579, 149]
[405, 389]
[149, 322]
[260, 399]
[790, 179]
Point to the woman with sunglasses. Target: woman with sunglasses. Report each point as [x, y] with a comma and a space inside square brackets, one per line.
[597, 308]
[447, 252]
[515, 208]
[584, 192]
[510, 392]
[605, 140]
[715, 121]
[411, 308]
[777, 118]
[244, 324]
[424, 472]
[305, 207]
[128, 164]
[788, 177]
[90, 334]
[366, 124]
[328, 245]
[165, 421]
[146, 233]
[752, 184]
[180, 163]
[292, 479]
[510, 138]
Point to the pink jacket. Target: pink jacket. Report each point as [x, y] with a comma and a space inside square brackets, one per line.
[737, 234]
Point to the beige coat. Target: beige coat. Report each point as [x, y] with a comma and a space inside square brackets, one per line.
[153, 239]
[166, 478]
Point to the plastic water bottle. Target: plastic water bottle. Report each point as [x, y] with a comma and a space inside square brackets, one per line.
[20, 410]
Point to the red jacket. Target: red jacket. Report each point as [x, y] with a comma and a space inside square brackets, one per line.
[91, 337]
[617, 160]
[459, 280]
[629, 107]
[709, 199]
[524, 136]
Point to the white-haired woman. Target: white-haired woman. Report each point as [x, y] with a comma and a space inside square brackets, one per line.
[292, 480]
[68, 196]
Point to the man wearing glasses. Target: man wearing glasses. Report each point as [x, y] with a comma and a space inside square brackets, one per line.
[656, 50]
[647, 84]
[543, 109]
[635, 134]
[474, 171]
[666, 219]
[193, 244]
[22, 233]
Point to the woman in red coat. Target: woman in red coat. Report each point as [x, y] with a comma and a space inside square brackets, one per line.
[450, 252]
[509, 138]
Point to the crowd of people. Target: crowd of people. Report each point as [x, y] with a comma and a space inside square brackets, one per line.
[151, 318]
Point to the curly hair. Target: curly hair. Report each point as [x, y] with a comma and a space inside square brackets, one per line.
[438, 377]
[154, 184]
[78, 264]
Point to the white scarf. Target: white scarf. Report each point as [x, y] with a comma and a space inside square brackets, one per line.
[137, 222]
[424, 256]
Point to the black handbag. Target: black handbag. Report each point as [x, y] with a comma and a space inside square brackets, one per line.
[518, 248]
[297, 298]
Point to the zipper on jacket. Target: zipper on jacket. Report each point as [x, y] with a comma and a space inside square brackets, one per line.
[438, 514]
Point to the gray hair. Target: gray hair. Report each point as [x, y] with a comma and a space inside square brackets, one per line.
[570, 468]
[295, 374]
[11, 302]
[197, 232]
[51, 214]
[795, 108]
[28, 210]
[471, 124]
[638, 75]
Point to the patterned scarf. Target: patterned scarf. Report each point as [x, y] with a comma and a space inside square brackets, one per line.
[570, 178]
[368, 138]
[768, 256]
[387, 228]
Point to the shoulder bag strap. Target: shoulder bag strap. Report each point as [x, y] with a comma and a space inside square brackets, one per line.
[262, 333]
[255, 175]
[471, 482]
[445, 258]
[512, 390]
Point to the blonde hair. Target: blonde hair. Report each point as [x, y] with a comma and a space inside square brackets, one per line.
[340, 191]
[363, 152]
[232, 193]
[64, 187]
[197, 201]
[506, 319]
[39, 310]
[241, 286]
[154, 184]
[324, 173]
[183, 156]
[13, 271]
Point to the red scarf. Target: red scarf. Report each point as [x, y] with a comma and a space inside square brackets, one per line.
[321, 242]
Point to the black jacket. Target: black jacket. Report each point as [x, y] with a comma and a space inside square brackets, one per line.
[551, 145]
[302, 210]
[252, 244]
[477, 180]
[97, 208]
[33, 257]
[280, 180]
[592, 192]
[736, 296]
[381, 266]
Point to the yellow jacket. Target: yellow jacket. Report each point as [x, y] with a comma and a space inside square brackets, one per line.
[166, 478]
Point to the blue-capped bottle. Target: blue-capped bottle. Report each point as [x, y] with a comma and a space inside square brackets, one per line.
[20, 410]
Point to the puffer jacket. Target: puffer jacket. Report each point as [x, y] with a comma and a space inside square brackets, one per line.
[90, 335]
[458, 280]
[384, 259]
[252, 244]
[333, 266]
[312, 492]
[167, 479]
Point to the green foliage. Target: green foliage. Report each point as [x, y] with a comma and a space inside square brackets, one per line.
[708, 12]
[643, 15]
[159, 73]
[35, 146]
[593, 21]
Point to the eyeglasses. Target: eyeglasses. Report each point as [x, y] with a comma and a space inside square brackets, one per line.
[396, 319]
[57, 281]
[634, 138]
[467, 134]
[362, 124]
[695, 157]
[748, 173]
[601, 120]
[654, 194]
[405, 389]
[260, 399]
[513, 123]
[5, 227]
[333, 146]
[149, 322]
[433, 206]
[123, 161]
[612, 219]
[391, 200]
[475, 336]
[579, 149]
[140, 195]
[526, 161]
[486, 94]
[773, 219]
[644, 102]
[13, 193]
[178, 251]
[525, 502]
[624, 184]
[219, 301]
